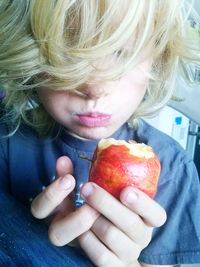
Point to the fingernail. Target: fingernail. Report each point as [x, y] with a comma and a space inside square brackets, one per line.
[87, 190]
[131, 197]
[65, 183]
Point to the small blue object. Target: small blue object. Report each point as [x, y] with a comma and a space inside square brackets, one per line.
[79, 202]
[178, 120]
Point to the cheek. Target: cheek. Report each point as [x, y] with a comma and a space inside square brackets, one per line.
[133, 93]
[139, 77]
[137, 82]
[51, 100]
[135, 88]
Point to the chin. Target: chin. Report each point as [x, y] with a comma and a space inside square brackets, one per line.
[95, 133]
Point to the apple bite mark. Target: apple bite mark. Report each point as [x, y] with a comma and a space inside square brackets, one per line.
[117, 164]
[135, 149]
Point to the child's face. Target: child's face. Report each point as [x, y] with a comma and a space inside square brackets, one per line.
[103, 107]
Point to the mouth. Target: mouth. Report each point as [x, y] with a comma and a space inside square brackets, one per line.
[94, 119]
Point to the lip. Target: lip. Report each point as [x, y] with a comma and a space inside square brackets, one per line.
[94, 119]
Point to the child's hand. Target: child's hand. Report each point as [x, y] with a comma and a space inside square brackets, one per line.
[56, 199]
[114, 238]
[56, 205]
[123, 230]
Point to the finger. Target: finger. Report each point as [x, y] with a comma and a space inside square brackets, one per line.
[45, 203]
[63, 231]
[99, 254]
[153, 214]
[63, 166]
[121, 216]
[121, 245]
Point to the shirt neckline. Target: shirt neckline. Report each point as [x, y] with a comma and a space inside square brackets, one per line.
[86, 145]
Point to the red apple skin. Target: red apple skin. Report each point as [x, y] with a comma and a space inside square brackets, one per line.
[114, 168]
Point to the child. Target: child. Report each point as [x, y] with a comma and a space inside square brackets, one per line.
[74, 72]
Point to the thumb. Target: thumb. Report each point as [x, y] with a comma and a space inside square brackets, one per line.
[63, 166]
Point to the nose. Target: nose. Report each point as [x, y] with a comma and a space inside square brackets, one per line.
[93, 91]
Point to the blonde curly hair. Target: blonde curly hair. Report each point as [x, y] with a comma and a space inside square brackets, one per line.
[58, 43]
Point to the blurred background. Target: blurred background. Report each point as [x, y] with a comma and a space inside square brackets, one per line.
[181, 118]
[197, 5]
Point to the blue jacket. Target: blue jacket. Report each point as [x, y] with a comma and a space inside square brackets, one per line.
[27, 164]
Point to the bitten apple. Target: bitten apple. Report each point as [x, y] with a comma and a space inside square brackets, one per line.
[117, 164]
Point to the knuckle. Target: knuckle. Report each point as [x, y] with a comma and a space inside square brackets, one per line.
[49, 195]
[106, 260]
[36, 209]
[102, 259]
[110, 233]
[135, 227]
[84, 238]
[54, 238]
[139, 232]
[57, 236]
[86, 217]
[84, 225]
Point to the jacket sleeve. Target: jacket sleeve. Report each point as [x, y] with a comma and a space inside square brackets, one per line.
[178, 240]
